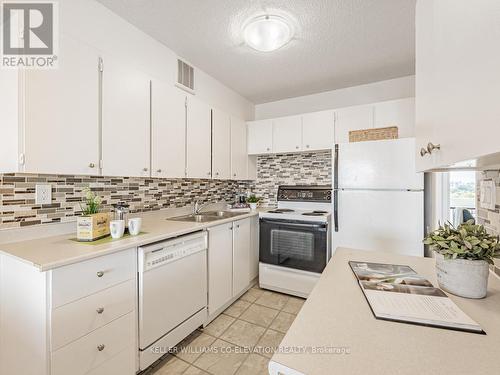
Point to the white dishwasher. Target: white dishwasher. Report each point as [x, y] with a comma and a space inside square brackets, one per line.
[172, 293]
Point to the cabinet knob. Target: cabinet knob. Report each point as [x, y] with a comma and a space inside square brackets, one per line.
[431, 147]
[423, 152]
[158, 171]
[100, 310]
[145, 169]
[209, 173]
[237, 226]
[101, 347]
[297, 147]
[268, 149]
[216, 173]
[234, 174]
[100, 274]
[307, 146]
[91, 165]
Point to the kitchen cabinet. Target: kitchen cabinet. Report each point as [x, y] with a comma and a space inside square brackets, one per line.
[287, 134]
[220, 267]
[457, 84]
[260, 137]
[400, 113]
[241, 255]
[239, 156]
[318, 130]
[352, 118]
[125, 121]
[254, 247]
[221, 145]
[58, 131]
[168, 131]
[77, 319]
[198, 139]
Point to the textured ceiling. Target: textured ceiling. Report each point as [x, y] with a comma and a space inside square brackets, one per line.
[337, 43]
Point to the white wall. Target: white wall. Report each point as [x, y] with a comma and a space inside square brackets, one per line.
[370, 93]
[94, 24]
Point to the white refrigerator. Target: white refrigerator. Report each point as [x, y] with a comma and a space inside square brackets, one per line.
[378, 200]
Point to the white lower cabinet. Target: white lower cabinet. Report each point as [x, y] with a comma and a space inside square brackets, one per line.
[241, 255]
[231, 262]
[220, 266]
[77, 319]
[254, 247]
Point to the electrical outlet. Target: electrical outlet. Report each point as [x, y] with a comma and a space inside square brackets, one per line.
[43, 194]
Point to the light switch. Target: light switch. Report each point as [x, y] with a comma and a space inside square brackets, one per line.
[488, 194]
[43, 194]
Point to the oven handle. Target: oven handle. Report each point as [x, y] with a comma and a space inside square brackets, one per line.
[292, 224]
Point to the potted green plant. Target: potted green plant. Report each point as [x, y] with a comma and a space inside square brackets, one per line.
[93, 224]
[253, 201]
[463, 256]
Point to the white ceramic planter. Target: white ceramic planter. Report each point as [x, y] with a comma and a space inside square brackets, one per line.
[253, 206]
[462, 277]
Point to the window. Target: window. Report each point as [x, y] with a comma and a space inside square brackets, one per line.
[462, 196]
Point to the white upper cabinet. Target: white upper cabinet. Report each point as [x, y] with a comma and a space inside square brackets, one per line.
[260, 137]
[400, 113]
[125, 121]
[168, 131]
[61, 127]
[199, 129]
[457, 80]
[352, 118]
[221, 145]
[287, 134]
[239, 157]
[318, 130]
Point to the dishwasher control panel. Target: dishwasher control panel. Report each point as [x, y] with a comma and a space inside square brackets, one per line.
[169, 251]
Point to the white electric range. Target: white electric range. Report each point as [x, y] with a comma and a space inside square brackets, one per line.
[295, 239]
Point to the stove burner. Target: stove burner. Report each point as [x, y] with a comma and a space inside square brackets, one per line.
[314, 213]
[281, 210]
[320, 212]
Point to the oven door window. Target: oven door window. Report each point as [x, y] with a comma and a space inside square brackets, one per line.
[299, 245]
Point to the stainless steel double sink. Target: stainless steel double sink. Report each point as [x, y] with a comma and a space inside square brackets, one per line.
[204, 217]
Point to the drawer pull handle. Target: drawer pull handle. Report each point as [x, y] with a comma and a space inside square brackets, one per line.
[100, 310]
[100, 274]
[101, 347]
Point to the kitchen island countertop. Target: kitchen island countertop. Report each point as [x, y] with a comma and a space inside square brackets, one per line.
[336, 315]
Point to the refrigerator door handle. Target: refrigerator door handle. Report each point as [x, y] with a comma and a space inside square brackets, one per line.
[336, 210]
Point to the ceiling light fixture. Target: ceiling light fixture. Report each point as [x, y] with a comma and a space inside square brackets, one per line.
[267, 33]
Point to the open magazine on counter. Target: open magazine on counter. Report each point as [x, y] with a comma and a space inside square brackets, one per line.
[397, 293]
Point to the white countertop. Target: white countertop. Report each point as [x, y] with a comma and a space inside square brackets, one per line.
[52, 252]
[337, 314]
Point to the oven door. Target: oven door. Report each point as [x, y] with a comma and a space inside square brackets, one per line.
[295, 244]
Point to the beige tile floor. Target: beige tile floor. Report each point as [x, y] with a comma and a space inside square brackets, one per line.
[240, 341]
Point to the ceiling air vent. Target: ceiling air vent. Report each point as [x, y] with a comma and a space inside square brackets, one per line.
[185, 76]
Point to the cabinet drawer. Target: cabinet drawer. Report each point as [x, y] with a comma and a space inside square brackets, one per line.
[83, 355]
[121, 364]
[76, 319]
[85, 278]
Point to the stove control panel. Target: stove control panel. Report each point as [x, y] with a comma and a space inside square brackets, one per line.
[305, 194]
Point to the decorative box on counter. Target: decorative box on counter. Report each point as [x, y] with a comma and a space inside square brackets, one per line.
[92, 227]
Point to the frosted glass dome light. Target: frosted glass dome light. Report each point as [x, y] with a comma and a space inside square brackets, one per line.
[267, 33]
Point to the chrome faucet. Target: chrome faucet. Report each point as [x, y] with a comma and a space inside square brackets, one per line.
[197, 207]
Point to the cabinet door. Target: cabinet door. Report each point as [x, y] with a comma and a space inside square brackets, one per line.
[199, 139]
[125, 121]
[317, 130]
[241, 255]
[220, 266]
[254, 247]
[221, 145]
[352, 118]
[260, 137]
[168, 131]
[287, 134]
[61, 134]
[239, 156]
[400, 113]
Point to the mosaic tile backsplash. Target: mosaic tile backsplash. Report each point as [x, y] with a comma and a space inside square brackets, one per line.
[307, 168]
[18, 208]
